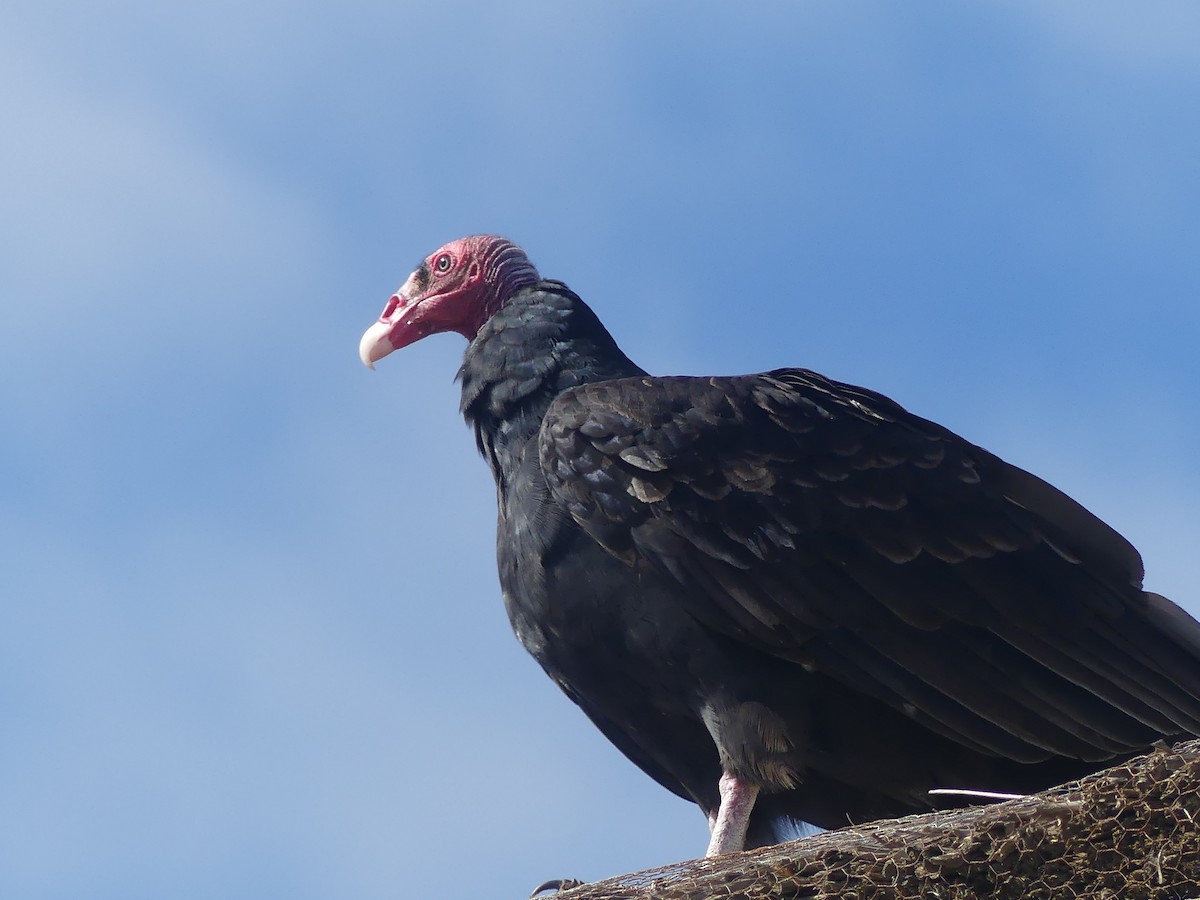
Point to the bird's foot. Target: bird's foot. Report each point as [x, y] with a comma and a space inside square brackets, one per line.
[556, 885]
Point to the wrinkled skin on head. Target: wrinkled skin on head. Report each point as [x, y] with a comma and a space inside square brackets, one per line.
[456, 288]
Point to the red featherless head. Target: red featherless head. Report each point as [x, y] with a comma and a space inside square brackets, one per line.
[456, 288]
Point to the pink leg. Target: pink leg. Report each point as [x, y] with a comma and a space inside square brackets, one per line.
[731, 820]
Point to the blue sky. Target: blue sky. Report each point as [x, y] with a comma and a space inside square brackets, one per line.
[251, 641]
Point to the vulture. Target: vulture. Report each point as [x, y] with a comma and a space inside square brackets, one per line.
[786, 598]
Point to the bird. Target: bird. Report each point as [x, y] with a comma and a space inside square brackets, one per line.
[783, 597]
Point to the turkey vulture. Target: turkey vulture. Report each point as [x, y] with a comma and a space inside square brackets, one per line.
[784, 597]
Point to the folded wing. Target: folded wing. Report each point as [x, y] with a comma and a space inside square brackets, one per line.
[822, 523]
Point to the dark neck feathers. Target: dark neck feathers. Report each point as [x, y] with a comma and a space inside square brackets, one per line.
[543, 341]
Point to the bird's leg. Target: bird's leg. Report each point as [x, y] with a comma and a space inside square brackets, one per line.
[733, 817]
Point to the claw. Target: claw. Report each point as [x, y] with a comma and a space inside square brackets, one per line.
[556, 885]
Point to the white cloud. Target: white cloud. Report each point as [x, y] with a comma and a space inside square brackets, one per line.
[115, 202]
[1149, 38]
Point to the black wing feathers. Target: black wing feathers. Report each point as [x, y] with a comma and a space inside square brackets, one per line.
[825, 524]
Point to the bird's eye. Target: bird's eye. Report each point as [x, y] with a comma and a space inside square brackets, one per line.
[442, 263]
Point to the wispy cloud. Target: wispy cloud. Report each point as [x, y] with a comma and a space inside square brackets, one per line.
[252, 641]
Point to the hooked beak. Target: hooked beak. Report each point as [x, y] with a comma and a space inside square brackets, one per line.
[375, 344]
[391, 332]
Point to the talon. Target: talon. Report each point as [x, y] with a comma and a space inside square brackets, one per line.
[556, 885]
